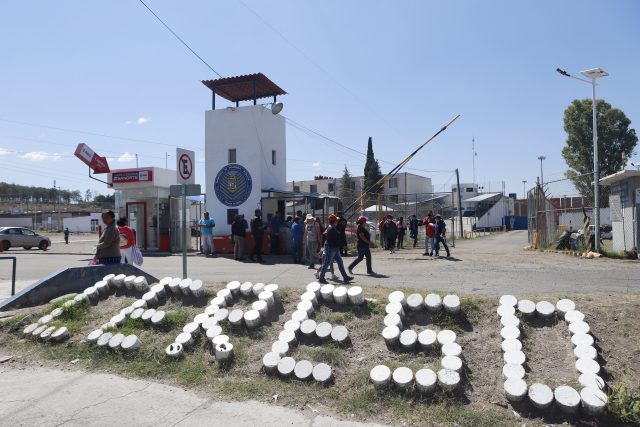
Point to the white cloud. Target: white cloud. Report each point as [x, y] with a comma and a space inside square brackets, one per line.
[126, 157]
[36, 156]
[56, 156]
[316, 165]
[4, 152]
[128, 122]
[143, 120]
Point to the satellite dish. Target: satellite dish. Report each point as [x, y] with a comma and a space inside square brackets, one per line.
[276, 107]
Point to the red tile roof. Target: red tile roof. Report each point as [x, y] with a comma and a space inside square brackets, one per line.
[241, 88]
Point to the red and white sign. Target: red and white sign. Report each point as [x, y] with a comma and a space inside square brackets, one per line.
[185, 166]
[131, 175]
[89, 157]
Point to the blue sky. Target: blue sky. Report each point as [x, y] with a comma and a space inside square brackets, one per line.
[396, 71]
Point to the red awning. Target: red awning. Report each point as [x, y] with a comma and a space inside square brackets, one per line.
[244, 88]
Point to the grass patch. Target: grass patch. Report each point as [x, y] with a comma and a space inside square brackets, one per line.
[177, 318]
[329, 353]
[624, 404]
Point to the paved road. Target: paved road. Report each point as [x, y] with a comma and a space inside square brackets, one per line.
[45, 397]
[489, 265]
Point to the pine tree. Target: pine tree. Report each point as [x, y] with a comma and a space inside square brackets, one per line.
[347, 188]
[372, 172]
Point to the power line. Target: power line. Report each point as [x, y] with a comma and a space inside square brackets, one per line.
[319, 67]
[83, 132]
[180, 39]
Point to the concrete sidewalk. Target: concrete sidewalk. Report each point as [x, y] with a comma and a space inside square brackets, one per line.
[45, 397]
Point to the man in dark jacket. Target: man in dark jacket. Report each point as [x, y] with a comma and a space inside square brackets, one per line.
[257, 229]
[342, 230]
[441, 231]
[332, 251]
[390, 233]
[238, 237]
[413, 229]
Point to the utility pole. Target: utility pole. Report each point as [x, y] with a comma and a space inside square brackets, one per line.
[459, 203]
[524, 189]
[541, 158]
[166, 160]
[473, 148]
[136, 160]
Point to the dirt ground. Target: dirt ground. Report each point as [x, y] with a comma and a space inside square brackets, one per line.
[614, 319]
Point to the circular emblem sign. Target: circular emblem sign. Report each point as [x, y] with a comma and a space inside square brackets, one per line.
[233, 185]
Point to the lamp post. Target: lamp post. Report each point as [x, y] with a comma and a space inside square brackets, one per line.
[524, 189]
[593, 74]
[541, 158]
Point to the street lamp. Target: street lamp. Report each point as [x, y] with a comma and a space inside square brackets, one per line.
[593, 74]
[541, 158]
[524, 188]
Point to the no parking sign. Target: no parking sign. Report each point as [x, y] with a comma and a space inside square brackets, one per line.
[185, 166]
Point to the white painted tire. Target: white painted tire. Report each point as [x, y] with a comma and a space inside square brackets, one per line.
[314, 287]
[391, 335]
[408, 339]
[564, 306]
[174, 350]
[393, 319]
[308, 327]
[574, 316]
[292, 325]
[257, 289]
[270, 362]
[252, 319]
[426, 381]
[446, 336]
[513, 371]
[591, 380]
[508, 345]
[510, 333]
[505, 310]
[130, 343]
[236, 318]
[398, 296]
[356, 295]
[448, 380]
[326, 292]
[246, 289]
[545, 310]
[508, 300]
[453, 363]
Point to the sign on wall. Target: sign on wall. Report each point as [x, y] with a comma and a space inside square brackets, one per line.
[134, 175]
[233, 185]
[185, 166]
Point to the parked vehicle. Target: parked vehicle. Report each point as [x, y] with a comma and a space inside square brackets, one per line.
[606, 232]
[22, 237]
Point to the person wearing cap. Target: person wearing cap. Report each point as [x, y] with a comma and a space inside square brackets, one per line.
[257, 230]
[342, 229]
[429, 234]
[312, 240]
[441, 230]
[390, 232]
[206, 225]
[332, 251]
[364, 245]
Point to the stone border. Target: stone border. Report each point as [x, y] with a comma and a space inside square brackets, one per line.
[568, 400]
[397, 334]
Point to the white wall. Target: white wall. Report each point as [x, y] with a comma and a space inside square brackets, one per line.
[254, 132]
[81, 224]
[494, 217]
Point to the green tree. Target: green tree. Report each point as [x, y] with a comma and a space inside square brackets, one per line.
[347, 188]
[372, 172]
[616, 141]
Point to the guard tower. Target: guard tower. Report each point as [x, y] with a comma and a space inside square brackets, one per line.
[245, 148]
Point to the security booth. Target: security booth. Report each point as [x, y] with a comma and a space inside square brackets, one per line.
[624, 203]
[142, 195]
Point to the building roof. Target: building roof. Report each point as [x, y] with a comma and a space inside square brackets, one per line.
[244, 88]
[619, 176]
[482, 197]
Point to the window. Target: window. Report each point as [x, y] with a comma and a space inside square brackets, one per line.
[231, 215]
[27, 232]
[393, 183]
[296, 188]
[273, 157]
[232, 155]
[313, 188]
[331, 187]
[469, 189]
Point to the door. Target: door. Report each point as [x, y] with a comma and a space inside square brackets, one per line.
[137, 218]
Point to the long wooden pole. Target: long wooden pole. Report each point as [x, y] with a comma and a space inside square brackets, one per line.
[399, 166]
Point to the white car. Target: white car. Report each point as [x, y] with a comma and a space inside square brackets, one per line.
[22, 237]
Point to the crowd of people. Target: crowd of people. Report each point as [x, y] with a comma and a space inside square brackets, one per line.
[311, 243]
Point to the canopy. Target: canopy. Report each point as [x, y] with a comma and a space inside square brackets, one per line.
[374, 208]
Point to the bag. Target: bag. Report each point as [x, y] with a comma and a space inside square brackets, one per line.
[137, 255]
[94, 261]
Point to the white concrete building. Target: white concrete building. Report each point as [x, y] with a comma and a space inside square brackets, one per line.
[467, 191]
[402, 183]
[624, 202]
[245, 151]
[83, 224]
